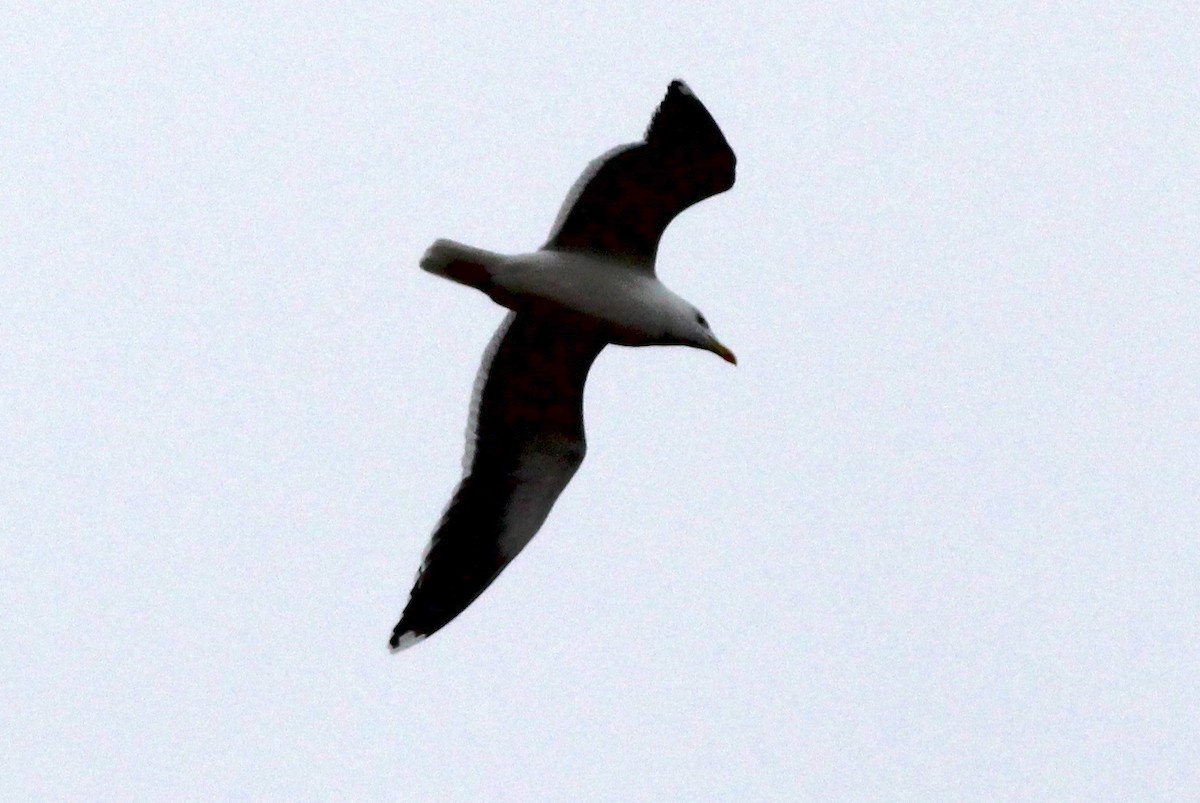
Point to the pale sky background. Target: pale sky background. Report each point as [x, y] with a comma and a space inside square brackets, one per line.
[935, 538]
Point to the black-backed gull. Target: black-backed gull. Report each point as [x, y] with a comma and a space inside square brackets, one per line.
[591, 284]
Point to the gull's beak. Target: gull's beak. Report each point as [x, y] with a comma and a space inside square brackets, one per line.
[722, 352]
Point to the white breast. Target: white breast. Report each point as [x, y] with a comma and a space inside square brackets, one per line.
[624, 294]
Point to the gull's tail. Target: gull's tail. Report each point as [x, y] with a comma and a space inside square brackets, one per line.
[473, 267]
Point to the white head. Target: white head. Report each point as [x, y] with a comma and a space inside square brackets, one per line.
[686, 326]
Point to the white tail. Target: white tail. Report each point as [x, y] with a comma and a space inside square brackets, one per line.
[473, 267]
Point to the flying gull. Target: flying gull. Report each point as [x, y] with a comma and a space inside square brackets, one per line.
[591, 284]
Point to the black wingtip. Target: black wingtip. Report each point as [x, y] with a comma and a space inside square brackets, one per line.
[403, 638]
[682, 119]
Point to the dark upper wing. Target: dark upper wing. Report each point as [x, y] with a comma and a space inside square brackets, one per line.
[624, 200]
[528, 443]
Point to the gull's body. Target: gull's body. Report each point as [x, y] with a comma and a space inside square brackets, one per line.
[626, 296]
[592, 284]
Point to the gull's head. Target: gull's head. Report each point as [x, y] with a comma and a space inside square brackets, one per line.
[690, 328]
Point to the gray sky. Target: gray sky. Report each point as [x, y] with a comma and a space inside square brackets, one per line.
[934, 538]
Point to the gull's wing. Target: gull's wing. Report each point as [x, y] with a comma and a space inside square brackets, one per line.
[527, 443]
[624, 200]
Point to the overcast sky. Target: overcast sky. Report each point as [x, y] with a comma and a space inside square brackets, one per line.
[935, 537]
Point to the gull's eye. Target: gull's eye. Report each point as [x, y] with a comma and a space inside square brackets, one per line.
[700, 320]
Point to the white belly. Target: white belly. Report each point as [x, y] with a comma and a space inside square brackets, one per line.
[622, 294]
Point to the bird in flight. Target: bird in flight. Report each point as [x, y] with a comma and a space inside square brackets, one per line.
[593, 283]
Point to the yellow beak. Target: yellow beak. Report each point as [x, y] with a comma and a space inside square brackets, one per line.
[724, 353]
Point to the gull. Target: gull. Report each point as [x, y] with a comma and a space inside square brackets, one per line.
[592, 284]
